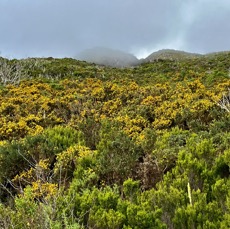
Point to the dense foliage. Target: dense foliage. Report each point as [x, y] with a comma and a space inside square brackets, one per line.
[86, 146]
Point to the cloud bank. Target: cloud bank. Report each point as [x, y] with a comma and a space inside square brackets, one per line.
[65, 28]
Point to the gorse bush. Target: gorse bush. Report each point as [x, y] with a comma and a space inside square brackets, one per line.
[86, 146]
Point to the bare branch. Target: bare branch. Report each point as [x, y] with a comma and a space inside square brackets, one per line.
[224, 103]
[10, 73]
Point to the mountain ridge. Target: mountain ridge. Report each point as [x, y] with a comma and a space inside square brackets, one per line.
[116, 58]
[171, 54]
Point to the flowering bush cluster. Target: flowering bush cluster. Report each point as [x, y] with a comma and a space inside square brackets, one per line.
[83, 146]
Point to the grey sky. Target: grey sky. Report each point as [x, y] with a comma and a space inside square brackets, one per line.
[65, 28]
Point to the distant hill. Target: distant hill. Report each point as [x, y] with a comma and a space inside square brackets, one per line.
[216, 54]
[108, 57]
[171, 54]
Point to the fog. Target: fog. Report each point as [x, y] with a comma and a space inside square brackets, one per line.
[108, 57]
[66, 28]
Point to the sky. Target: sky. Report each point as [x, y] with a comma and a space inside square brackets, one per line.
[64, 28]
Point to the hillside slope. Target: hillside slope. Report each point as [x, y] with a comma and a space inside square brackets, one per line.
[171, 54]
[88, 146]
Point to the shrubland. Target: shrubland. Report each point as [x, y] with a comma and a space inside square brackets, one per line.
[87, 146]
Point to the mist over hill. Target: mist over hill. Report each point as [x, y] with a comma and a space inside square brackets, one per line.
[108, 57]
[117, 58]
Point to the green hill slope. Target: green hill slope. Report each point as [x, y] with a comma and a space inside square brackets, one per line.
[88, 146]
[171, 54]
